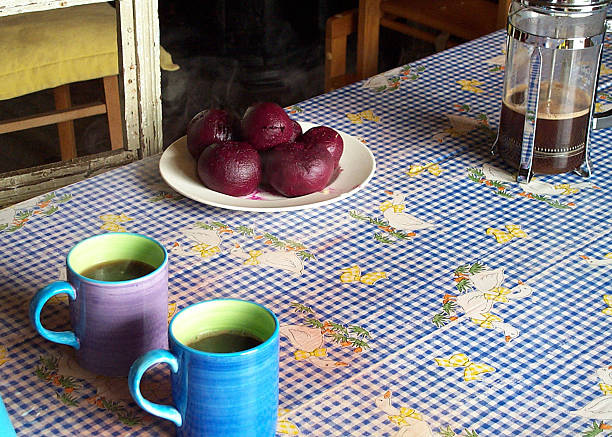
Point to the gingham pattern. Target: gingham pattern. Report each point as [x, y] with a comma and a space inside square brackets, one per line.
[548, 371]
[564, 314]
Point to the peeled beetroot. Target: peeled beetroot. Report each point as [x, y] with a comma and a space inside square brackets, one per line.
[297, 130]
[265, 125]
[230, 167]
[208, 127]
[296, 169]
[327, 137]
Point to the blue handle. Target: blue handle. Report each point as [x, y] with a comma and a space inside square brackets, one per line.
[138, 369]
[6, 428]
[36, 305]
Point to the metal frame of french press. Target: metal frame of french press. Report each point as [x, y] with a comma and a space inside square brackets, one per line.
[538, 42]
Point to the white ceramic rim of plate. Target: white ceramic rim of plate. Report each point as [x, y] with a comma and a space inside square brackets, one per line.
[185, 182]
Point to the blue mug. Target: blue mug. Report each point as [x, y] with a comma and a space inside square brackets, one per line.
[217, 393]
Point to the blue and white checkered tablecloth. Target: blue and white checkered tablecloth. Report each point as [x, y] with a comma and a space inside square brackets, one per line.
[431, 352]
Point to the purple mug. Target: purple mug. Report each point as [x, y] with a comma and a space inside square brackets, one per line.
[116, 315]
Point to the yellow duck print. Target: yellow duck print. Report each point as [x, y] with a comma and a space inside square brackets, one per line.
[608, 300]
[171, 310]
[359, 118]
[431, 167]
[410, 422]
[112, 222]
[470, 85]
[3, 355]
[471, 370]
[205, 250]
[353, 274]
[285, 427]
[513, 231]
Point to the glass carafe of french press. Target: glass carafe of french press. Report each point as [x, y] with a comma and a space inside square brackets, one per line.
[553, 55]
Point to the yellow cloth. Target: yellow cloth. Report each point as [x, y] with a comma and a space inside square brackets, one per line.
[47, 49]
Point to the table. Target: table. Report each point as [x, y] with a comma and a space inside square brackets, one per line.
[495, 321]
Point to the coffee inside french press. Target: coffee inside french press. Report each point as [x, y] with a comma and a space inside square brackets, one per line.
[553, 53]
[561, 133]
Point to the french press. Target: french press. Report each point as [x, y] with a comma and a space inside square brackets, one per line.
[553, 56]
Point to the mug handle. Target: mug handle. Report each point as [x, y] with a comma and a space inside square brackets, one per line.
[140, 366]
[36, 305]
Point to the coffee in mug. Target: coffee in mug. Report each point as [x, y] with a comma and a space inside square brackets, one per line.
[225, 341]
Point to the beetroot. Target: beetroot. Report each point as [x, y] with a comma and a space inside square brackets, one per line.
[297, 130]
[230, 167]
[208, 127]
[296, 168]
[265, 125]
[327, 137]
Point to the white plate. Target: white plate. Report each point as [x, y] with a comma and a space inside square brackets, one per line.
[178, 168]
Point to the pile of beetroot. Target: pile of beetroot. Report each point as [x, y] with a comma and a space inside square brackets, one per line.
[264, 147]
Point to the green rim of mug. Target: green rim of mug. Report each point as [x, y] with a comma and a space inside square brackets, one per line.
[115, 246]
[222, 315]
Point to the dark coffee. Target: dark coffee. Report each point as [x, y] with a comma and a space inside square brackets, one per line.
[118, 270]
[225, 342]
[561, 128]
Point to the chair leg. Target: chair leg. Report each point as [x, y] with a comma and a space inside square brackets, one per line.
[337, 29]
[113, 111]
[66, 128]
[368, 28]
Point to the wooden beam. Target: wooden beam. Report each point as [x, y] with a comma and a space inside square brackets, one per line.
[389, 22]
[12, 7]
[139, 44]
[149, 76]
[340, 81]
[23, 184]
[502, 13]
[52, 117]
[127, 67]
[466, 19]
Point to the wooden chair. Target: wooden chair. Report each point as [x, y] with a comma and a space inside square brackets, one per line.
[447, 19]
[52, 49]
